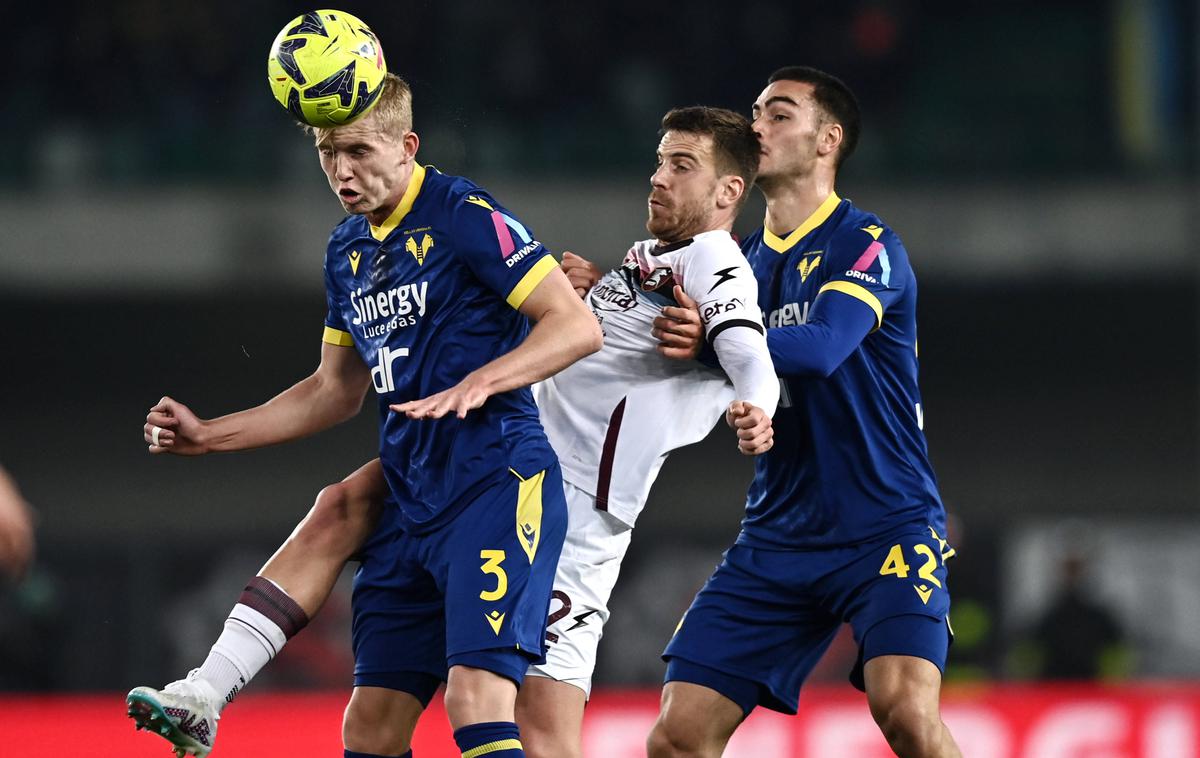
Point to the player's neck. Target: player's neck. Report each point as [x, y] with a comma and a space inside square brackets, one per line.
[790, 201]
[722, 223]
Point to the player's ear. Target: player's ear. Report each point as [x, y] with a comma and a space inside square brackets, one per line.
[411, 142]
[830, 139]
[731, 190]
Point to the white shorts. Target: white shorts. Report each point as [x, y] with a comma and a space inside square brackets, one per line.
[587, 570]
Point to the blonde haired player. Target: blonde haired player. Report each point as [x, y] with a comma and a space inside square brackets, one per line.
[430, 303]
[613, 418]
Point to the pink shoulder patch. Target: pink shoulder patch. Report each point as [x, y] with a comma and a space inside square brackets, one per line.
[503, 236]
[868, 257]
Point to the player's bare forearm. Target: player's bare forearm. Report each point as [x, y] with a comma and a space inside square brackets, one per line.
[307, 407]
[332, 394]
[564, 331]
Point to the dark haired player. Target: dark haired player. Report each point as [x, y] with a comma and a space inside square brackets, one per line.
[843, 519]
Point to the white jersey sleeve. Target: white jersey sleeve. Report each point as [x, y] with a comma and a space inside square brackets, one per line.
[744, 355]
[717, 276]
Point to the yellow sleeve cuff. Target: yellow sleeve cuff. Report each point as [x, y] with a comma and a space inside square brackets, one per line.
[337, 337]
[533, 277]
[858, 292]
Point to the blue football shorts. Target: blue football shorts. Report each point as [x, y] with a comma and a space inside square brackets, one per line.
[475, 592]
[764, 617]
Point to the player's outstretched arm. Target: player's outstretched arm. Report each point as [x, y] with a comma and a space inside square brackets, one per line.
[564, 331]
[743, 354]
[332, 394]
[836, 326]
[732, 323]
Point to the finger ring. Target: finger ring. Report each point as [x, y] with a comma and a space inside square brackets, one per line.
[154, 432]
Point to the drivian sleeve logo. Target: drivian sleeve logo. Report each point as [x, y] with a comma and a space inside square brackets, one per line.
[419, 253]
[354, 257]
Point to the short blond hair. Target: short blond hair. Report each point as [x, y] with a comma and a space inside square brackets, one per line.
[392, 113]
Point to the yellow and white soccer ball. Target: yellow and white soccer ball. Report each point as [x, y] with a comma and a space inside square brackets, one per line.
[326, 68]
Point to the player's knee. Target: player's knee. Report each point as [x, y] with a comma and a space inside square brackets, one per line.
[671, 738]
[910, 726]
[373, 728]
[467, 705]
[336, 523]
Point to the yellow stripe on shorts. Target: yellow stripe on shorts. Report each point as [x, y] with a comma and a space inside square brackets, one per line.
[529, 513]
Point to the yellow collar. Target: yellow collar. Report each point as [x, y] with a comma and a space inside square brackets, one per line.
[406, 203]
[819, 216]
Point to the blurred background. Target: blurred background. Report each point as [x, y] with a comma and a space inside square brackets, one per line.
[164, 229]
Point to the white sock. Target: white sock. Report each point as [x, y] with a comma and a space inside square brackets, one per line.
[250, 639]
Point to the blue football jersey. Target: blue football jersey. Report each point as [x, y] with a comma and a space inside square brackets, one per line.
[426, 298]
[849, 462]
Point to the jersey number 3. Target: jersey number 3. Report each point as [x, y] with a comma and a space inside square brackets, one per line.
[491, 565]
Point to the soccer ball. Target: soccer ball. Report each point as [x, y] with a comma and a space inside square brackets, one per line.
[326, 68]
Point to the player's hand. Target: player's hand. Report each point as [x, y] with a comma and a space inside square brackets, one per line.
[16, 530]
[754, 431]
[465, 396]
[180, 432]
[679, 332]
[581, 273]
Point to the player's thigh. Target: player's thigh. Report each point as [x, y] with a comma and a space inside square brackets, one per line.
[399, 621]
[495, 563]
[380, 721]
[595, 545]
[755, 630]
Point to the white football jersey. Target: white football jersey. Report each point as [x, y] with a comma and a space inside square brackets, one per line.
[613, 416]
